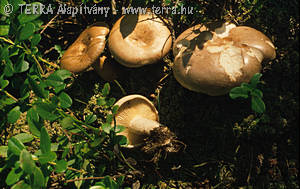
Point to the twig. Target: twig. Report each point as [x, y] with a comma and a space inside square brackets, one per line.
[163, 78]
[34, 58]
[119, 85]
[86, 178]
[9, 95]
[250, 169]
[126, 162]
[49, 63]
[91, 178]
[50, 22]
[114, 7]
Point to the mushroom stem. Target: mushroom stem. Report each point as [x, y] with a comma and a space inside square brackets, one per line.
[142, 125]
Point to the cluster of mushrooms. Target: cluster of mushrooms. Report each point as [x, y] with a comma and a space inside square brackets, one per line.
[207, 59]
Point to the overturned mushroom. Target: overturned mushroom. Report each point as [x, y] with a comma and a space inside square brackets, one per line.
[140, 118]
[137, 40]
[86, 49]
[214, 61]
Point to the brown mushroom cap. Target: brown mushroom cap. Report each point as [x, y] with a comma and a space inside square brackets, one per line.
[86, 49]
[253, 38]
[213, 62]
[131, 108]
[137, 40]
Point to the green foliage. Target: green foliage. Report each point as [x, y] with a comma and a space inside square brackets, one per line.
[246, 90]
[27, 87]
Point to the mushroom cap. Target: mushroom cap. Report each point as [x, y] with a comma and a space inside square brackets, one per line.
[213, 62]
[137, 40]
[130, 107]
[86, 49]
[253, 38]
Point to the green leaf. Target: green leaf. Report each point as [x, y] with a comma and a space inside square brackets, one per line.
[38, 178]
[247, 86]
[25, 17]
[115, 109]
[45, 144]
[56, 80]
[101, 101]
[38, 23]
[58, 49]
[4, 30]
[110, 102]
[14, 51]
[122, 140]
[37, 89]
[9, 69]
[33, 122]
[67, 123]
[257, 93]
[16, 4]
[26, 31]
[239, 92]
[3, 3]
[120, 128]
[109, 118]
[26, 162]
[47, 157]
[106, 89]
[36, 38]
[46, 111]
[90, 118]
[257, 104]
[97, 142]
[61, 166]
[13, 176]
[61, 75]
[13, 115]
[109, 183]
[24, 137]
[21, 65]
[3, 82]
[120, 180]
[65, 100]
[3, 151]
[255, 80]
[15, 146]
[6, 101]
[21, 185]
[106, 128]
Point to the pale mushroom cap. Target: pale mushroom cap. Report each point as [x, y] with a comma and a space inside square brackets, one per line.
[86, 49]
[137, 40]
[213, 62]
[130, 107]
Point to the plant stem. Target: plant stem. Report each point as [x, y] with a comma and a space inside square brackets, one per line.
[120, 86]
[9, 95]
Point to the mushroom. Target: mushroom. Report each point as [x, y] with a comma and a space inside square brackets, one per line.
[137, 40]
[86, 49]
[213, 61]
[107, 69]
[141, 120]
[138, 115]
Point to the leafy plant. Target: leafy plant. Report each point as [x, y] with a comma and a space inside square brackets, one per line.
[250, 89]
[57, 143]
